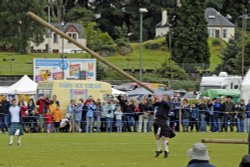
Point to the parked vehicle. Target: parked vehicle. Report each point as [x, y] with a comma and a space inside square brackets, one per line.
[222, 81]
[132, 86]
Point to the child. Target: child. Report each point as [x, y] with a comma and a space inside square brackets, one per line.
[57, 118]
[65, 124]
[118, 116]
[49, 121]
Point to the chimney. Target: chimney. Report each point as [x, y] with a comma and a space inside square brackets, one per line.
[178, 3]
[164, 17]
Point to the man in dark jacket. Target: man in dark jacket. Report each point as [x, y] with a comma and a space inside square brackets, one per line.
[161, 129]
[199, 156]
[228, 113]
[4, 114]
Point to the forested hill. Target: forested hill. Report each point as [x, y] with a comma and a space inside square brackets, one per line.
[110, 23]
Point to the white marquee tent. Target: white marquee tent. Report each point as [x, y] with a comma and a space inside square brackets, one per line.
[24, 86]
[4, 90]
[245, 87]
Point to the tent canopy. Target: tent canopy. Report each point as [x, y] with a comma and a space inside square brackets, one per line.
[216, 93]
[24, 86]
[245, 87]
[4, 90]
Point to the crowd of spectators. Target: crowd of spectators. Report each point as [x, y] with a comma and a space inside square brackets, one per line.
[121, 114]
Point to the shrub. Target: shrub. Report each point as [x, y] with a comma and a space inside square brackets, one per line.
[216, 42]
[152, 46]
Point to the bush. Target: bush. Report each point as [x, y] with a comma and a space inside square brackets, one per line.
[107, 50]
[152, 46]
[216, 42]
[177, 72]
[124, 50]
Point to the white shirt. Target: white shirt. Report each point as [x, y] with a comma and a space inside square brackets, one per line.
[15, 113]
[63, 122]
[118, 115]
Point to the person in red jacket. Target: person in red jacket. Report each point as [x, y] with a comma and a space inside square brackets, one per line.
[49, 121]
[43, 106]
[24, 113]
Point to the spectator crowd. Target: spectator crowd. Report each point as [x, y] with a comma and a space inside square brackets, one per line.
[121, 114]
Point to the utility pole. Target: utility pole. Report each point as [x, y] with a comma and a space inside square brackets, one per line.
[49, 36]
[62, 54]
[170, 56]
[244, 28]
[141, 10]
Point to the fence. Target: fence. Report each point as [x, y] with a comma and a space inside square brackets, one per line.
[216, 121]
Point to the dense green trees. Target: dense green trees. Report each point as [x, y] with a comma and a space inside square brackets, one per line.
[232, 55]
[16, 28]
[189, 35]
[106, 21]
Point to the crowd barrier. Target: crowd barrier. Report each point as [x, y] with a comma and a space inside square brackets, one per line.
[173, 119]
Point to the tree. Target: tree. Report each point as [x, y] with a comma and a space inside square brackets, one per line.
[170, 68]
[80, 14]
[18, 29]
[217, 4]
[235, 8]
[98, 40]
[189, 34]
[232, 55]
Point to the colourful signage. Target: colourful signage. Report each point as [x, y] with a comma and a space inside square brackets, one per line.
[59, 69]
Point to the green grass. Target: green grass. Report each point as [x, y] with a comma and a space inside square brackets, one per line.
[113, 150]
[152, 59]
[215, 55]
[23, 62]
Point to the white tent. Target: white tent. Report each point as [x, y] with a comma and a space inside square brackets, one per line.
[245, 87]
[24, 86]
[3, 90]
[117, 92]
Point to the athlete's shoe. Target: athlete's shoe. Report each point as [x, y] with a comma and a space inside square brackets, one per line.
[19, 144]
[157, 153]
[10, 144]
[166, 154]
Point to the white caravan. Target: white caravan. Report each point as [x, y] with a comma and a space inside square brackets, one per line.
[222, 81]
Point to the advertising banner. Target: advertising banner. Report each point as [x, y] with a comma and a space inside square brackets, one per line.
[59, 69]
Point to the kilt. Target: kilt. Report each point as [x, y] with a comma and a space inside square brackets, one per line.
[14, 126]
[165, 130]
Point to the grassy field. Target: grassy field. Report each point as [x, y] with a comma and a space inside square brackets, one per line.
[215, 55]
[151, 59]
[112, 150]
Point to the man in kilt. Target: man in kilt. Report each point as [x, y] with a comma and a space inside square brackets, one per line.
[16, 127]
[161, 130]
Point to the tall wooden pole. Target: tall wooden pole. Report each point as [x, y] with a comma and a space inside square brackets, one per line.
[92, 53]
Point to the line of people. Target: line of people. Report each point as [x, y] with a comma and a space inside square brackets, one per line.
[127, 115]
[216, 115]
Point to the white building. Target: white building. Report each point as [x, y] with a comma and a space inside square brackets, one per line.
[219, 26]
[55, 44]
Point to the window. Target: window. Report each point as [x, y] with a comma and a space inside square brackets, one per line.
[224, 33]
[217, 33]
[213, 33]
[55, 38]
[72, 35]
[210, 33]
[236, 86]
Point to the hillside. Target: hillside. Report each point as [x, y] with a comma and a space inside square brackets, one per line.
[152, 59]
